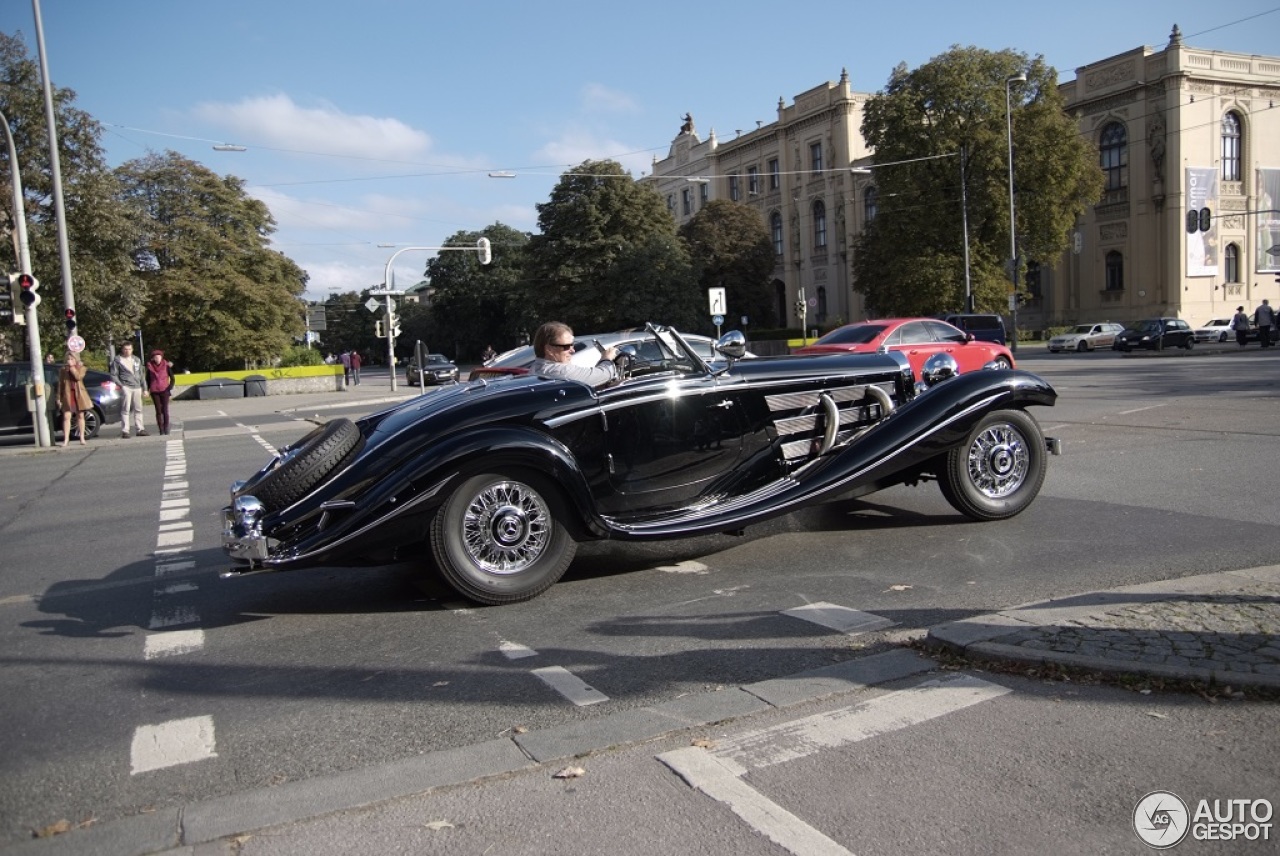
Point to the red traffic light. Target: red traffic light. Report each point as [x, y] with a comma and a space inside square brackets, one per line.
[30, 289]
[71, 314]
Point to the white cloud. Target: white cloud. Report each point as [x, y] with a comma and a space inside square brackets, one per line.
[599, 98]
[576, 145]
[276, 121]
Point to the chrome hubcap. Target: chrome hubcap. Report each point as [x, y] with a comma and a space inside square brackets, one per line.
[998, 461]
[506, 528]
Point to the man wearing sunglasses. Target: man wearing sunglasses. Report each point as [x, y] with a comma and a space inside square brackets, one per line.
[553, 348]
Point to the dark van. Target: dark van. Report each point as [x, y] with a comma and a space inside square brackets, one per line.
[987, 328]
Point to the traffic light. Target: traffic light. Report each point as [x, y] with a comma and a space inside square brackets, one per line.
[378, 330]
[29, 289]
[71, 320]
[395, 326]
[1206, 220]
[9, 300]
[485, 251]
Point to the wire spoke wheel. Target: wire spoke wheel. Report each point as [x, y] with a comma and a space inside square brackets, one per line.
[999, 468]
[498, 537]
[506, 528]
[998, 461]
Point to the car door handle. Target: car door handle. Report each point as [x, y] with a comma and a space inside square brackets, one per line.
[721, 405]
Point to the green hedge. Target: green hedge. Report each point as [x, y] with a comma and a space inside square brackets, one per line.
[191, 378]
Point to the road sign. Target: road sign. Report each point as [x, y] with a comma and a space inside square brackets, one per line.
[372, 305]
[716, 297]
[717, 320]
[75, 344]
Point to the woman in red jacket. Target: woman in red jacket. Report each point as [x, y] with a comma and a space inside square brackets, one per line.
[159, 386]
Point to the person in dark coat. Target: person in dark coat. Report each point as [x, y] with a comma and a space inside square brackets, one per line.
[73, 398]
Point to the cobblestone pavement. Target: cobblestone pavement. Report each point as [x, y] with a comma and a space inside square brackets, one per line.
[1214, 627]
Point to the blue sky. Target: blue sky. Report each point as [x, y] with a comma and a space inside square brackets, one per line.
[377, 122]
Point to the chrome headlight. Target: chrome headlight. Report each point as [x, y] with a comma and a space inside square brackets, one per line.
[936, 369]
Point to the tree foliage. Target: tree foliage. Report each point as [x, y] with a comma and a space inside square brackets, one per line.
[731, 249]
[910, 258]
[100, 233]
[475, 305]
[218, 296]
[606, 256]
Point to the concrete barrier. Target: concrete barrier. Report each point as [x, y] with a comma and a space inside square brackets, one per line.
[300, 379]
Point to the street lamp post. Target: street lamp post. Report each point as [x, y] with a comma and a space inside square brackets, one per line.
[1013, 223]
[481, 248]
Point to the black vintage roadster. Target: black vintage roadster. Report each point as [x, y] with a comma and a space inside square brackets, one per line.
[498, 481]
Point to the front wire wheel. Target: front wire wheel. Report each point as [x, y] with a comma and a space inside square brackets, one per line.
[497, 540]
[999, 469]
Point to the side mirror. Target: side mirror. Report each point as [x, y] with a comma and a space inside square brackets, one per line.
[732, 345]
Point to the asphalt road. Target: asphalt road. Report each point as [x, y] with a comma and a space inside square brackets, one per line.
[1168, 471]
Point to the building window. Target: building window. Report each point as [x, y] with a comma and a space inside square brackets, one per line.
[775, 229]
[819, 225]
[753, 180]
[815, 157]
[869, 206]
[734, 191]
[822, 303]
[1113, 156]
[704, 192]
[1232, 273]
[1231, 147]
[1032, 279]
[671, 203]
[1115, 271]
[686, 200]
[775, 177]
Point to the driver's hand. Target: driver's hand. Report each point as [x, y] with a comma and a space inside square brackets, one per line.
[611, 354]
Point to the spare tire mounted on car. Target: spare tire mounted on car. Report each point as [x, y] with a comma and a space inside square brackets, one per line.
[304, 464]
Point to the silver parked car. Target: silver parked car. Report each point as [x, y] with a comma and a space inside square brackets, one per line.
[1086, 337]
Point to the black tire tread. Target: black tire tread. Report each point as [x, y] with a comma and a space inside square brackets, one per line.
[323, 452]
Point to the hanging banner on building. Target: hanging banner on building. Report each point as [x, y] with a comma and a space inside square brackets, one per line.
[1267, 236]
[1202, 221]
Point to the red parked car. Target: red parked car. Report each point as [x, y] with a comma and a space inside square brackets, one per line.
[917, 339]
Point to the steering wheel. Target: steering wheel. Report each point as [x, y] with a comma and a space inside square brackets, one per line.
[625, 361]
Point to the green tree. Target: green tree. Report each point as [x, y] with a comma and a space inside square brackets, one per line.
[731, 249]
[474, 305]
[605, 256]
[100, 234]
[909, 260]
[219, 297]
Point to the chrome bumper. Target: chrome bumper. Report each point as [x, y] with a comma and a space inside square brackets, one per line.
[242, 537]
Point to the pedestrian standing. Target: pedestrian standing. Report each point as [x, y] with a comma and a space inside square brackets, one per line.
[1265, 317]
[1240, 323]
[346, 367]
[73, 398]
[356, 362]
[126, 370]
[160, 386]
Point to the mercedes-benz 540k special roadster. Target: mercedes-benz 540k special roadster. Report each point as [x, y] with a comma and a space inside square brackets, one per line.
[498, 481]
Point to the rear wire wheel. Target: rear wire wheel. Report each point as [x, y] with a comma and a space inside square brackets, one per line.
[497, 539]
[999, 468]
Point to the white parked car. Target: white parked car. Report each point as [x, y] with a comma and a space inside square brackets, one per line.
[1086, 337]
[1217, 330]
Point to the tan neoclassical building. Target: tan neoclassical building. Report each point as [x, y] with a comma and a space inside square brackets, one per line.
[1188, 140]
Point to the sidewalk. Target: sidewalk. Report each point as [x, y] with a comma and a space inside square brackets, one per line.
[1223, 628]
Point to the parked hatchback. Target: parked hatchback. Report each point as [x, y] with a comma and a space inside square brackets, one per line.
[437, 369]
[1086, 337]
[1156, 334]
[15, 417]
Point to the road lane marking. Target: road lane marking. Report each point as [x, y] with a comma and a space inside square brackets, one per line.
[689, 567]
[799, 738]
[570, 685]
[515, 651]
[178, 741]
[1140, 409]
[841, 619]
[708, 774]
[172, 643]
